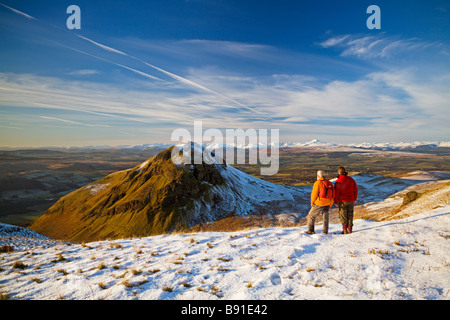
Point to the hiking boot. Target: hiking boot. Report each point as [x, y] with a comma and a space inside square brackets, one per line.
[349, 229]
[344, 229]
[310, 232]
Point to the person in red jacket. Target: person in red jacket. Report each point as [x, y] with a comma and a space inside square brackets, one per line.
[346, 194]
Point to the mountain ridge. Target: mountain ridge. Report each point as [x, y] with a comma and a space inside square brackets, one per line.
[158, 197]
[314, 143]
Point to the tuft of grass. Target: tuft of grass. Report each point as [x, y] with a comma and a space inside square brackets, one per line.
[101, 266]
[84, 245]
[59, 258]
[223, 269]
[37, 280]
[445, 236]
[19, 265]
[135, 272]
[379, 252]
[127, 284]
[115, 245]
[144, 281]
[217, 292]
[223, 259]
[4, 296]
[154, 270]
[317, 285]
[167, 289]
[102, 285]
[6, 249]
[63, 271]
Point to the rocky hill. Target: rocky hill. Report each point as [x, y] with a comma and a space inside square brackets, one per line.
[158, 197]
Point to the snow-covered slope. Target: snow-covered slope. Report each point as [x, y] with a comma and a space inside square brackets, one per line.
[23, 239]
[241, 194]
[396, 259]
[402, 259]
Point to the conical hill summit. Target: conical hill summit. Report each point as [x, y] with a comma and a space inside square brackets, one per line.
[159, 197]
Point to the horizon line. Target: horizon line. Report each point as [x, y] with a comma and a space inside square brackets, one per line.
[284, 144]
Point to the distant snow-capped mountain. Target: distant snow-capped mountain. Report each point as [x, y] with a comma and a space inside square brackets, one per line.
[401, 145]
[315, 143]
[309, 144]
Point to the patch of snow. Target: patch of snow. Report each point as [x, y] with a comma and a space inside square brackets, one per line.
[402, 259]
[142, 165]
[97, 187]
[15, 231]
[23, 239]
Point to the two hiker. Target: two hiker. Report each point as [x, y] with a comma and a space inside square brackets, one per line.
[343, 194]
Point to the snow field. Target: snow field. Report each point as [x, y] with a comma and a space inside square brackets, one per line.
[401, 259]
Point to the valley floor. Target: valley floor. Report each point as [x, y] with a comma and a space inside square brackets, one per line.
[399, 259]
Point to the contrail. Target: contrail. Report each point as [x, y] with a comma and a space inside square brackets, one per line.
[174, 76]
[102, 45]
[170, 74]
[194, 84]
[74, 122]
[109, 61]
[18, 12]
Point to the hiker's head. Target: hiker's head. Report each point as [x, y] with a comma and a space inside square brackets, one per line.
[320, 174]
[342, 171]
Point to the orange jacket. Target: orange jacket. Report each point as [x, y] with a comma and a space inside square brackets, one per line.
[315, 199]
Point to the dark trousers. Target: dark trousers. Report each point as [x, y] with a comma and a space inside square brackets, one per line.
[346, 213]
[314, 213]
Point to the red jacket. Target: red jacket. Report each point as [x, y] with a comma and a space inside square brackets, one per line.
[346, 189]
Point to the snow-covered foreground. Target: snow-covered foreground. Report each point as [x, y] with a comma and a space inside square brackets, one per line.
[402, 259]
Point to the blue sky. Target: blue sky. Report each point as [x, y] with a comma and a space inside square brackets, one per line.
[138, 70]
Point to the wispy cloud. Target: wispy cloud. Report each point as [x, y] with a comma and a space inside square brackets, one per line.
[230, 84]
[146, 75]
[380, 46]
[369, 105]
[377, 106]
[74, 122]
[18, 12]
[175, 77]
[84, 72]
[102, 46]
[234, 103]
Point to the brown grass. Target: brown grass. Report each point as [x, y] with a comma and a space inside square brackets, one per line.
[238, 223]
[6, 249]
[19, 265]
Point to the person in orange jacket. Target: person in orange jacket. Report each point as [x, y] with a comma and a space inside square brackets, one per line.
[320, 203]
[345, 196]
